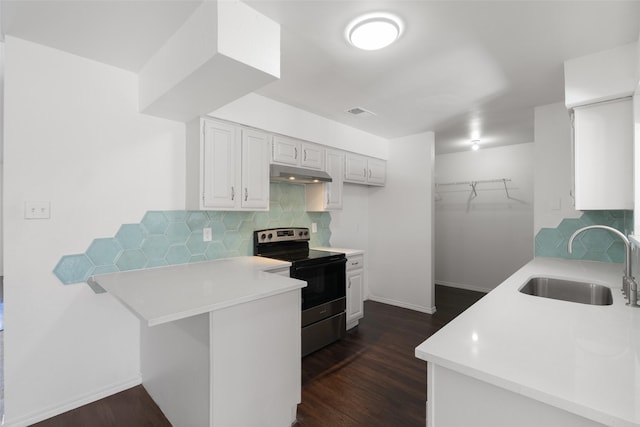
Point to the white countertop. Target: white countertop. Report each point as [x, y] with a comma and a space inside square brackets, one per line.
[164, 294]
[347, 252]
[582, 358]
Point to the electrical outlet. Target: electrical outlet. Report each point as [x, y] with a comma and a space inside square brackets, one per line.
[314, 227]
[37, 210]
[206, 234]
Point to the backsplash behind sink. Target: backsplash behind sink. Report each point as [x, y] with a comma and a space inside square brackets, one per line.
[175, 237]
[593, 245]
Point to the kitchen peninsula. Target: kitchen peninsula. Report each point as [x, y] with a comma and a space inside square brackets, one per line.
[517, 359]
[219, 340]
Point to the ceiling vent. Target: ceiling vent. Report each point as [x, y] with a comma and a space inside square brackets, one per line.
[360, 112]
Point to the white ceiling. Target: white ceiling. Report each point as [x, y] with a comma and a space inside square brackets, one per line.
[461, 67]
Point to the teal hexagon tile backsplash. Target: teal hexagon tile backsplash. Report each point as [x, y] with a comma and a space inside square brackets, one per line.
[104, 251]
[175, 237]
[73, 268]
[130, 236]
[131, 259]
[177, 233]
[155, 222]
[155, 246]
[593, 245]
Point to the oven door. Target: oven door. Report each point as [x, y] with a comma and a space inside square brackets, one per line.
[325, 281]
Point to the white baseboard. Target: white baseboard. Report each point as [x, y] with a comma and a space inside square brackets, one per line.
[403, 304]
[52, 411]
[463, 286]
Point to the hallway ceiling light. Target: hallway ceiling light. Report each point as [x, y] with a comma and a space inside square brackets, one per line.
[475, 144]
[374, 31]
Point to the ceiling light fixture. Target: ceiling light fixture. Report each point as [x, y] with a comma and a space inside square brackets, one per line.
[475, 144]
[374, 31]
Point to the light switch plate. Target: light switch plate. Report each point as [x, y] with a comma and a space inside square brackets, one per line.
[37, 210]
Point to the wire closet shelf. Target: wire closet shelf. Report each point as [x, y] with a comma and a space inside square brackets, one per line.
[474, 185]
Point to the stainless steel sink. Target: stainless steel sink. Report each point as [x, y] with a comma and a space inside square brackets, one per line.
[568, 290]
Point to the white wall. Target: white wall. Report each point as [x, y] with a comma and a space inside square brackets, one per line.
[400, 263]
[1, 151]
[552, 200]
[350, 226]
[264, 113]
[73, 137]
[481, 242]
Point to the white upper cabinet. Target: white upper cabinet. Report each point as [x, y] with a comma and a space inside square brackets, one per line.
[603, 149]
[221, 154]
[289, 151]
[377, 171]
[355, 168]
[365, 170]
[227, 167]
[255, 170]
[328, 196]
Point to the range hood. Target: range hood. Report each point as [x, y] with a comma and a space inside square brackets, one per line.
[294, 175]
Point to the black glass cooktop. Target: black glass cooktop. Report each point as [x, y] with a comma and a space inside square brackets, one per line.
[302, 255]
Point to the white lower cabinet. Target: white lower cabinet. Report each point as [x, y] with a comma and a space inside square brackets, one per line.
[355, 289]
[486, 404]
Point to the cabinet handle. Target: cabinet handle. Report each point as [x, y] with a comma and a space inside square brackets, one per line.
[364, 172]
[233, 193]
[295, 155]
[246, 194]
[349, 284]
[369, 173]
[355, 263]
[305, 155]
[328, 198]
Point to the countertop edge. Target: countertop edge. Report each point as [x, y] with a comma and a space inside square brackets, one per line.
[221, 306]
[346, 251]
[137, 303]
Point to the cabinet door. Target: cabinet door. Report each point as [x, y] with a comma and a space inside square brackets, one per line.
[220, 154]
[312, 156]
[377, 171]
[603, 148]
[255, 170]
[285, 150]
[333, 189]
[355, 168]
[355, 305]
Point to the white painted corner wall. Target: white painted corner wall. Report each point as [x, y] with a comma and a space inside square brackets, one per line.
[73, 136]
[481, 241]
[400, 266]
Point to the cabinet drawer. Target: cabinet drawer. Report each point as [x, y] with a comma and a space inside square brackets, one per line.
[355, 262]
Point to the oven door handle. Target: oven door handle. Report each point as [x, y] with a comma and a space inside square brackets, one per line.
[335, 262]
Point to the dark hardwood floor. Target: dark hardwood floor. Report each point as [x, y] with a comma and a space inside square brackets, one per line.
[371, 378]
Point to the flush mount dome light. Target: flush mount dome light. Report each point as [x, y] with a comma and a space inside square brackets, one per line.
[374, 31]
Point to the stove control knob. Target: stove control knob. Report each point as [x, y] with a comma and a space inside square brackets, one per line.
[270, 235]
[300, 233]
[306, 233]
[263, 236]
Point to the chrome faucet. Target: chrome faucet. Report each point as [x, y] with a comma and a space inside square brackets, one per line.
[629, 285]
